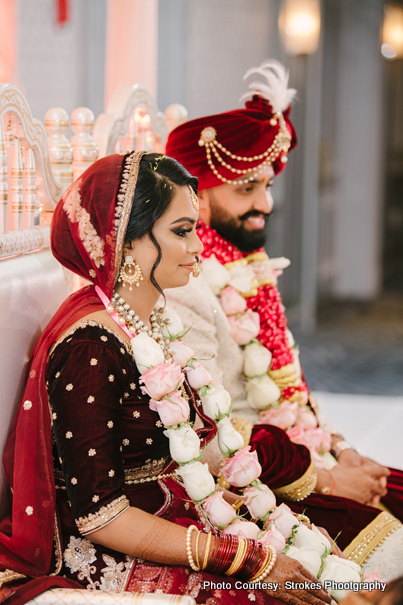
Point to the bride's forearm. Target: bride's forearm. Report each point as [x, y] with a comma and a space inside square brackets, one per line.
[143, 535]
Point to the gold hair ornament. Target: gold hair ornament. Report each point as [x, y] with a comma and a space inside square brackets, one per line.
[194, 199]
[156, 162]
[280, 146]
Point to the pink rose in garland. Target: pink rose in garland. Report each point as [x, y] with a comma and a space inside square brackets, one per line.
[272, 537]
[243, 468]
[197, 375]
[319, 439]
[245, 328]
[284, 520]
[219, 512]
[298, 435]
[231, 301]
[259, 500]
[306, 418]
[161, 380]
[283, 416]
[172, 409]
[243, 529]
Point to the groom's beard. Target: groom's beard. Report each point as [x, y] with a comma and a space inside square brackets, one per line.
[229, 228]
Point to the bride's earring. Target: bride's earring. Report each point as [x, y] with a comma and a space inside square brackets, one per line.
[196, 269]
[130, 273]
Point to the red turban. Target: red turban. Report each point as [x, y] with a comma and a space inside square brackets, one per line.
[244, 139]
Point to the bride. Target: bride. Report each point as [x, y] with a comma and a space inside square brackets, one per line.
[96, 495]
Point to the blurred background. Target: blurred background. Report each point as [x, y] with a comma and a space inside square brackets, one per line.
[339, 204]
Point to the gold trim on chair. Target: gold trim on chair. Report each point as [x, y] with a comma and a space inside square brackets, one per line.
[301, 488]
[371, 537]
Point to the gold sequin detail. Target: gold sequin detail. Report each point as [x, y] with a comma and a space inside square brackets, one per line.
[149, 441]
[92, 452]
[104, 338]
[111, 378]
[126, 395]
[69, 387]
[90, 399]
[111, 473]
[102, 517]
[95, 498]
[92, 273]
[159, 424]
[32, 374]
[27, 405]
[123, 370]
[122, 351]
[74, 481]
[110, 424]
[54, 415]
[125, 441]
[29, 510]
[69, 435]
[94, 361]
[301, 488]
[136, 414]
[132, 386]
[57, 374]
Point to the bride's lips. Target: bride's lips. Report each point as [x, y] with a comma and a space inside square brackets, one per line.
[188, 267]
[256, 222]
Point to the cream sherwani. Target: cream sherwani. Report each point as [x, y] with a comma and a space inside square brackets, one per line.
[210, 337]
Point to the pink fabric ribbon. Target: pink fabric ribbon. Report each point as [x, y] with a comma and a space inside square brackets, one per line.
[113, 313]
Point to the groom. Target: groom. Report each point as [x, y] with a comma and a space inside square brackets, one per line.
[236, 156]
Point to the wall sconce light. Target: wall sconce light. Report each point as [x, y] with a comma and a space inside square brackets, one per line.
[392, 32]
[299, 24]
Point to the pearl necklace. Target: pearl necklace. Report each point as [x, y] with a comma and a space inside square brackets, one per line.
[133, 322]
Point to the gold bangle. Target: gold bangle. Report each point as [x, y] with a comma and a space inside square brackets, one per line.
[189, 547]
[197, 550]
[239, 557]
[264, 565]
[207, 552]
[269, 567]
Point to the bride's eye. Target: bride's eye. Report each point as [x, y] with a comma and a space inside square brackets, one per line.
[182, 231]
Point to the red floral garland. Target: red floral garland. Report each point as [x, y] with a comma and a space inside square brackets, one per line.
[267, 302]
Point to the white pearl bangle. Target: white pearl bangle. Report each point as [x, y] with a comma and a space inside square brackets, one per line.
[270, 566]
[189, 547]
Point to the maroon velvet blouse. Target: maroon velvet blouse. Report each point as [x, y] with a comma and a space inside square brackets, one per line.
[108, 445]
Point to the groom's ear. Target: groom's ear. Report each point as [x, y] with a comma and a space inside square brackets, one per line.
[204, 206]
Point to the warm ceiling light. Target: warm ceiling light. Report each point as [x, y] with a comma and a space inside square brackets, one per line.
[299, 24]
[392, 33]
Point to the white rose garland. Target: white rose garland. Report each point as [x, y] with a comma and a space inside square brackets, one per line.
[161, 379]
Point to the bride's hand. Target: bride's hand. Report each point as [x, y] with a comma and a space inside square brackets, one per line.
[287, 569]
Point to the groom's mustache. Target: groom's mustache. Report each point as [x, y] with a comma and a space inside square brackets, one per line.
[245, 216]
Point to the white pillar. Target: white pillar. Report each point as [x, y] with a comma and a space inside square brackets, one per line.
[358, 151]
[131, 46]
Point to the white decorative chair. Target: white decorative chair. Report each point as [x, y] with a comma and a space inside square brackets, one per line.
[34, 172]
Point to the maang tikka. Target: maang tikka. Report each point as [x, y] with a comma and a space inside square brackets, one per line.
[130, 273]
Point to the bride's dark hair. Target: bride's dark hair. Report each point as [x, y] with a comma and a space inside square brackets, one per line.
[159, 177]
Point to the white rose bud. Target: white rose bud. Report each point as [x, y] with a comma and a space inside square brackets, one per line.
[259, 500]
[199, 483]
[215, 274]
[308, 557]
[321, 537]
[241, 278]
[216, 402]
[184, 443]
[257, 359]
[307, 537]
[261, 391]
[181, 353]
[171, 324]
[229, 440]
[336, 569]
[146, 352]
